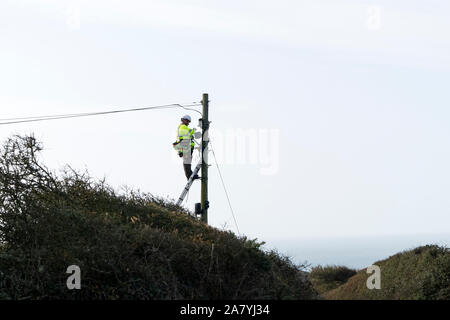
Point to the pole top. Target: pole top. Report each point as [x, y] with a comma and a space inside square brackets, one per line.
[205, 98]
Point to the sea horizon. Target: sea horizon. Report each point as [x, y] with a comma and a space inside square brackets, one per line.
[357, 252]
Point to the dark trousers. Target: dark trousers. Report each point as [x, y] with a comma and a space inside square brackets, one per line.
[188, 167]
[187, 170]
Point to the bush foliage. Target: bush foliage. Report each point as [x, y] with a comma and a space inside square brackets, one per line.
[422, 273]
[325, 278]
[128, 245]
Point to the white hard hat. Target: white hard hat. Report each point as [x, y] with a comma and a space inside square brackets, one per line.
[187, 117]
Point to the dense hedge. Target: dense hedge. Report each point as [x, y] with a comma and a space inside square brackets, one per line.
[128, 245]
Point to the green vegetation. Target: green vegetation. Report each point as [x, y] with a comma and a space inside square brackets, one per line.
[422, 273]
[330, 277]
[129, 245]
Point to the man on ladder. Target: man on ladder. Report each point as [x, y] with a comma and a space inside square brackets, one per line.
[185, 145]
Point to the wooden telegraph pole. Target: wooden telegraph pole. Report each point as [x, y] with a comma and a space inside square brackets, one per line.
[204, 174]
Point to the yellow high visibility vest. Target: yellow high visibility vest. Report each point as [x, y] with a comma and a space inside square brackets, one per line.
[186, 134]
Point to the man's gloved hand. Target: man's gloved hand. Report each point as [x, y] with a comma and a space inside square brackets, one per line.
[180, 154]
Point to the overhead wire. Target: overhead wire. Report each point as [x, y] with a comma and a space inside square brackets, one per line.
[87, 114]
[17, 120]
[224, 188]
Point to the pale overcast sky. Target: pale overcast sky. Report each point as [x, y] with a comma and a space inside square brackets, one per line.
[348, 101]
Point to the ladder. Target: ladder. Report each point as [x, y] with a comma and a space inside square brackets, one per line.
[189, 183]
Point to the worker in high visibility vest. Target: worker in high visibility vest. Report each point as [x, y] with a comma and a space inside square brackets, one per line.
[185, 145]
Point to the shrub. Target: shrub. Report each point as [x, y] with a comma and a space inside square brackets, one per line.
[128, 245]
[325, 278]
[422, 273]
[436, 285]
